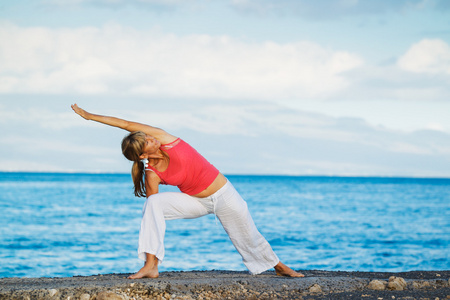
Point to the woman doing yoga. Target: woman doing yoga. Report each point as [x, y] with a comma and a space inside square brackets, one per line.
[161, 158]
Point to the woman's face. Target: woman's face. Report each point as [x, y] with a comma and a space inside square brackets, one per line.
[151, 146]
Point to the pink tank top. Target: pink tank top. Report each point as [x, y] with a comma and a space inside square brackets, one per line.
[187, 169]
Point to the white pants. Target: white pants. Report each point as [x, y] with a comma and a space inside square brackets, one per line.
[230, 209]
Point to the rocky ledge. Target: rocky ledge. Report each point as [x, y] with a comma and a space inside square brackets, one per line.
[235, 285]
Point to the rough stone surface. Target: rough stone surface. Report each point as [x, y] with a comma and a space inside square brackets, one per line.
[109, 296]
[52, 292]
[377, 285]
[85, 297]
[396, 283]
[421, 284]
[315, 288]
[230, 285]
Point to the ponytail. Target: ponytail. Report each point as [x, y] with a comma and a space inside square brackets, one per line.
[137, 174]
[132, 146]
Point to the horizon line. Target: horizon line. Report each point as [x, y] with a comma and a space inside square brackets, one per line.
[238, 174]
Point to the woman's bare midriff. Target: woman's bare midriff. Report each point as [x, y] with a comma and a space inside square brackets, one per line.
[217, 184]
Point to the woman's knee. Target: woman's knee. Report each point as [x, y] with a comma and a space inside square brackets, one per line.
[167, 201]
[155, 202]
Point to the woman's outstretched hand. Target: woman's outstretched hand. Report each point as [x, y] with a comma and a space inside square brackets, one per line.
[81, 112]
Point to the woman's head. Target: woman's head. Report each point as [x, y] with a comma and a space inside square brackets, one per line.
[133, 145]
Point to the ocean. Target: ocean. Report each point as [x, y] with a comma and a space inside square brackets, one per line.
[58, 225]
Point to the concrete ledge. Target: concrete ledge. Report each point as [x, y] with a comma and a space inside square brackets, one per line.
[234, 285]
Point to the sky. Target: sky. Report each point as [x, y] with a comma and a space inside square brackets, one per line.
[294, 87]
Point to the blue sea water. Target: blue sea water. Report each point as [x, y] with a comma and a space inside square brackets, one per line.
[84, 224]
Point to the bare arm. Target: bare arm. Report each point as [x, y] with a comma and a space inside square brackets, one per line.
[161, 135]
[152, 182]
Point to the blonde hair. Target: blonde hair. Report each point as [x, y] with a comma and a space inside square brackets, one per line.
[132, 146]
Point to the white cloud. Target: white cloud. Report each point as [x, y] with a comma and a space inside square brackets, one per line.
[427, 56]
[29, 144]
[435, 126]
[115, 59]
[420, 74]
[45, 153]
[251, 137]
[260, 121]
[40, 117]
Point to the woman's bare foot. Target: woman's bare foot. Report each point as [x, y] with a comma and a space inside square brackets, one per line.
[149, 270]
[283, 270]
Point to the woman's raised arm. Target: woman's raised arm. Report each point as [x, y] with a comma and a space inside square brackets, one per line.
[162, 136]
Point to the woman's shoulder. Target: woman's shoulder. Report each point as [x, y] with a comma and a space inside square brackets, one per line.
[166, 138]
[171, 144]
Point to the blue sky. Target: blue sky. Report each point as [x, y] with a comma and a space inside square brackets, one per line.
[328, 87]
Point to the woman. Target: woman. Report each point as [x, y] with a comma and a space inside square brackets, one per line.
[161, 158]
